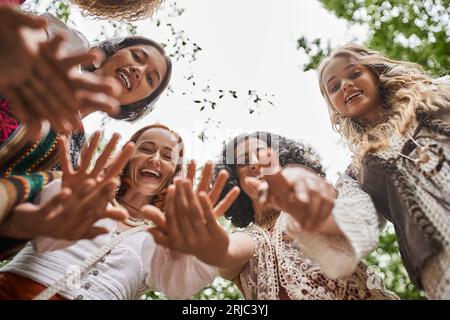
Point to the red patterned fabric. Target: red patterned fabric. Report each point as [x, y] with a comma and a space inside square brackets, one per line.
[17, 2]
[8, 124]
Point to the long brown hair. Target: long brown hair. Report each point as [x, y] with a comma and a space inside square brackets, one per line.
[404, 88]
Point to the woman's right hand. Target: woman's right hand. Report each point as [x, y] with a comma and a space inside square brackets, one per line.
[304, 195]
[40, 82]
[68, 215]
[189, 224]
[83, 200]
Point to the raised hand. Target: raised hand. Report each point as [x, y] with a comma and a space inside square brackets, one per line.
[14, 53]
[299, 192]
[205, 181]
[40, 82]
[85, 194]
[189, 224]
[68, 215]
[72, 178]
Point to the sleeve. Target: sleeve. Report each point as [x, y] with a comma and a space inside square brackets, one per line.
[75, 40]
[178, 275]
[356, 216]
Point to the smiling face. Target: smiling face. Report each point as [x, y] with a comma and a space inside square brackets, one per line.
[139, 70]
[251, 157]
[352, 89]
[154, 163]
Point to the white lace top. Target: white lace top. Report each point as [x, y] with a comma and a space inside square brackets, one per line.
[278, 262]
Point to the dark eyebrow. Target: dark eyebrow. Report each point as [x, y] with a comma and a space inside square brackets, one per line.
[347, 67]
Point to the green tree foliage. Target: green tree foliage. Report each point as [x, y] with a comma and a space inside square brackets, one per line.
[386, 261]
[417, 31]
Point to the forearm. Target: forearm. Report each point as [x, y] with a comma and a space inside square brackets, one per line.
[330, 228]
[8, 197]
[239, 253]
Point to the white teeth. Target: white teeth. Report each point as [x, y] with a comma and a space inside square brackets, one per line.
[353, 96]
[125, 78]
[152, 172]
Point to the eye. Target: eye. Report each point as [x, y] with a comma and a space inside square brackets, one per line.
[136, 57]
[147, 149]
[355, 74]
[149, 79]
[334, 88]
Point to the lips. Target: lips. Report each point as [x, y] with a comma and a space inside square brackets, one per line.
[150, 173]
[125, 79]
[349, 97]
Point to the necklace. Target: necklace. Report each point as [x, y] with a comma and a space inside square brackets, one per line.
[267, 219]
[131, 221]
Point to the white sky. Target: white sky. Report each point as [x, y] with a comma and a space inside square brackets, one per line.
[247, 44]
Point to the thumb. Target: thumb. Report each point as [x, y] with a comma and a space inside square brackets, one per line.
[155, 215]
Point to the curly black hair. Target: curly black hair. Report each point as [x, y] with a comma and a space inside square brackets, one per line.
[134, 111]
[290, 152]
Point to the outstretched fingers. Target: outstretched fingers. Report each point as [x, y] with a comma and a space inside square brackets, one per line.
[191, 166]
[207, 171]
[120, 161]
[217, 188]
[64, 156]
[88, 154]
[226, 202]
[103, 158]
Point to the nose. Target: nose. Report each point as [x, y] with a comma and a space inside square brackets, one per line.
[254, 163]
[155, 158]
[136, 73]
[346, 85]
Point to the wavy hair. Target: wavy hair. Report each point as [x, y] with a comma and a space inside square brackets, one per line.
[130, 10]
[290, 152]
[404, 88]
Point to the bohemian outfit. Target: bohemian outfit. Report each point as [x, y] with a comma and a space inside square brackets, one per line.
[132, 267]
[409, 185]
[26, 166]
[279, 269]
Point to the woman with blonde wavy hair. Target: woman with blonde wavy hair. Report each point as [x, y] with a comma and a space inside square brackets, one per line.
[396, 121]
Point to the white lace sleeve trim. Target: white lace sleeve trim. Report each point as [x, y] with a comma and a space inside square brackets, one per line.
[356, 216]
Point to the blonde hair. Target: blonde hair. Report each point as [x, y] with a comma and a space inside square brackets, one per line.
[129, 10]
[404, 88]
